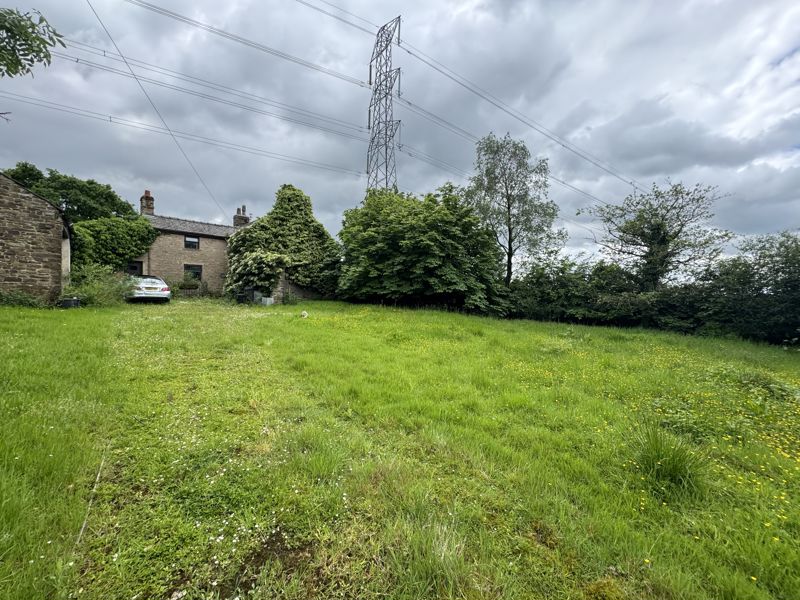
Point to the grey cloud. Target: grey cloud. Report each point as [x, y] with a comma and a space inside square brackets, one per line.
[646, 89]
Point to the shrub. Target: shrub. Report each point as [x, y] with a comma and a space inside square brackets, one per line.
[668, 461]
[112, 241]
[290, 229]
[97, 285]
[433, 251]
[16, 298]
[257, 270]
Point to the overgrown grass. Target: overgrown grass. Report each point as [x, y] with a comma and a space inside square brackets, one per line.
[670, 463]
[368, 452]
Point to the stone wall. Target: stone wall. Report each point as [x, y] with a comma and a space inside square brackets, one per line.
[285, 286]
[32, 240]
[167, 256]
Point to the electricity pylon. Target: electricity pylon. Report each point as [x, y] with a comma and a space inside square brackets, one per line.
[381, 170]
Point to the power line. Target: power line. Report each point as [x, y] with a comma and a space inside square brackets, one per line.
[206, 96]
[246, 42]
[212, 85]
[488, 97]
[339, 8]
[155, 108]
[114, 120]
[406, 103]
[330, 14]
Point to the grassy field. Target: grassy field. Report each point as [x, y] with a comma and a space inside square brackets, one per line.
[367, 452]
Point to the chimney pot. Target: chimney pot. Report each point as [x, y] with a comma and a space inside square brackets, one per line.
[147, 204]
[240, 219]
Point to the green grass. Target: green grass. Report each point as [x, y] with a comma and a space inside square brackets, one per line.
[368, 452]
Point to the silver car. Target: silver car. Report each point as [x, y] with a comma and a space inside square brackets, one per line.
[149, 286]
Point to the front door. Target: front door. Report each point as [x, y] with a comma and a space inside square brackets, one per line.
[135, 267]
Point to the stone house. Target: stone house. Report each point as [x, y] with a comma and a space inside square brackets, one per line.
[34, 243]
[185, 247]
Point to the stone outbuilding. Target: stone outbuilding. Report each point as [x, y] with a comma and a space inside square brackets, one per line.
[184, 247]
[34, 243]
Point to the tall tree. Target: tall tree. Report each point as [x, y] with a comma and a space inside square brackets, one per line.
[661, 233]
[80, 199]
[509, 193]
[25, 39]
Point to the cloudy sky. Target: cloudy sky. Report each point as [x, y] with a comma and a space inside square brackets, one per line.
[696, 90]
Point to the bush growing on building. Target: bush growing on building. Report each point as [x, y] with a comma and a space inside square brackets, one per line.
[290, 230]
[257, 270]
[111, 241]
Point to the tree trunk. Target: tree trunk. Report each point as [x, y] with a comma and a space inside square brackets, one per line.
[510, 249]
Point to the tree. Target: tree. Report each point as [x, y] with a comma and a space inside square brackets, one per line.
[111, 241]
[662, 233]
[756, 294]
[509, 193]
[26, 174]
[79, 199]
[291, 230]
[433, 251]
[25, 39]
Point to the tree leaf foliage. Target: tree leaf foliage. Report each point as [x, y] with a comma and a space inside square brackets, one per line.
[433, 251]
[25, 40]
[509, 193]
[662, 233]
[78, 199]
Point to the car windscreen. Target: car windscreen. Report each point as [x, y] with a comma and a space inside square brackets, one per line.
[149, 281]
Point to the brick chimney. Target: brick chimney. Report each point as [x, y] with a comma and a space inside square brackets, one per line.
[241, 219]
[147, 204]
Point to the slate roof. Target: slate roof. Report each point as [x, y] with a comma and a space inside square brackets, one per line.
[175, 225]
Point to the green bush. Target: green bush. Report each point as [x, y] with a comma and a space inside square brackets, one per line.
[668, 461]
[257, 270]
[15, 298]
[429, 252]
[112, 241]
[97, 285]
[290, 229]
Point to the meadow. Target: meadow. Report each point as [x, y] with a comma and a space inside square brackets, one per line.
[209, 450]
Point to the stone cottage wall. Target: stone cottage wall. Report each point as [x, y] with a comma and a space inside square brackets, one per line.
[167, 257]
[32, 236]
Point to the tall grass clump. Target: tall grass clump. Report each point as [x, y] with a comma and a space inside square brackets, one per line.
[669, 461]
[97, 285]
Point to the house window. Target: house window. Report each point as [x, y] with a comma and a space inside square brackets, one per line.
[195, 271]
[191, 242]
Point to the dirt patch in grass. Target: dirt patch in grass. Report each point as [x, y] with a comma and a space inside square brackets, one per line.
[275, 547]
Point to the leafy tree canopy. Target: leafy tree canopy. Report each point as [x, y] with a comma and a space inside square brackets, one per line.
[509, 193]
[662, 233]
[25, 39]
[290, 229]
[111, 241]
[398, 248]
[80, 199]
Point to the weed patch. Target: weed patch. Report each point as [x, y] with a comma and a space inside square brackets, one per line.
[668, 462]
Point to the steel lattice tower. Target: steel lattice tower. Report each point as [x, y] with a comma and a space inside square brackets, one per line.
[381, 170]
